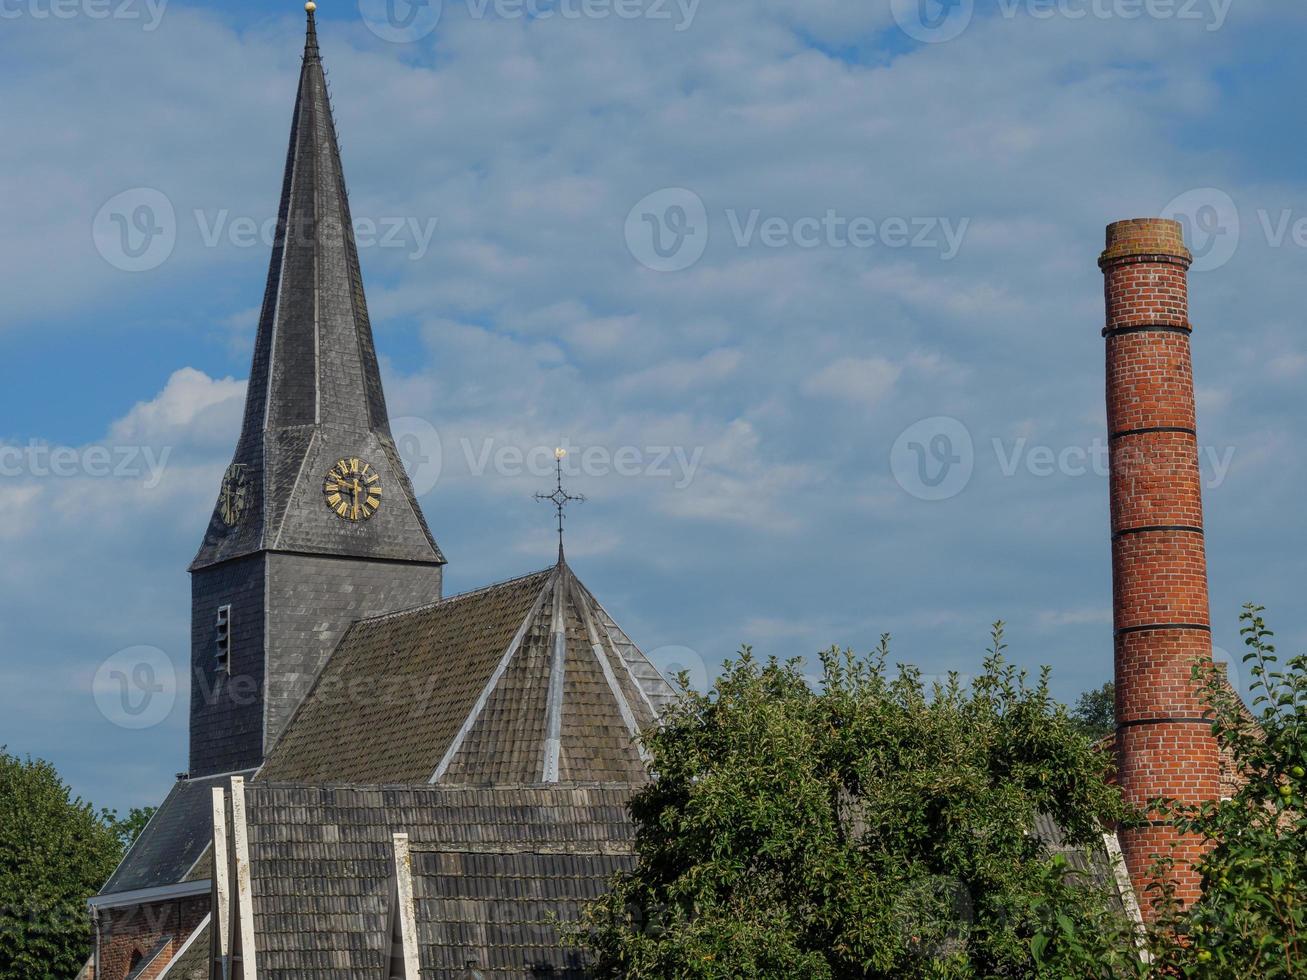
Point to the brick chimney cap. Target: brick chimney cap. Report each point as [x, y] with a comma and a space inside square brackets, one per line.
[1136, 237]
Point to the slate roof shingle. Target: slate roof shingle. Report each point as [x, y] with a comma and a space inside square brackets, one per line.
[174, 840]
[495, 870]
[460, 690]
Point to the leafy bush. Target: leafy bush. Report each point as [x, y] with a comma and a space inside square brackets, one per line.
[872, 826]
[1252, 918]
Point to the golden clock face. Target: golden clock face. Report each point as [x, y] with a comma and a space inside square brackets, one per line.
[352, 489]
[234, 494]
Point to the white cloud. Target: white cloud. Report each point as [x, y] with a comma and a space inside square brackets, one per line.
[1288, 364]
[157, 464]
[191, 405]
[1095, 616]
[865, 381]
[1211, 398]
[682, 375]
[739, 483]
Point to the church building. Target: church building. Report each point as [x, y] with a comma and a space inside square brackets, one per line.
[383, 780]
[386, 782]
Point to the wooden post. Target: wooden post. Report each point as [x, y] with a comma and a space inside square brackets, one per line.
[244, 927]
[221, 920]
[404, 910]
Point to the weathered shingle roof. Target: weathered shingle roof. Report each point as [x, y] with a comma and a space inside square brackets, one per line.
[495, 870]
[175, 839]
[475, 689]
[445, 684]
[1096, 863]
[500, 912]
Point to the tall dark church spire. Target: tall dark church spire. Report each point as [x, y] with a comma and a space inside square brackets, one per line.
[316, 523]
[315, 391]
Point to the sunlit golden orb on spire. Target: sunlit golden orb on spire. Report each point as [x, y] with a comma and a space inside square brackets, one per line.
[559, 453]
[310, 6]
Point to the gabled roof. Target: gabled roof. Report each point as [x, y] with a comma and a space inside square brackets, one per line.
[527, 681]
[495, 872]
[315, 393]
[473, 689]
[174, 840]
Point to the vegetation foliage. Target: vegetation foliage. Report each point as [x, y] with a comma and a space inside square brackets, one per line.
[1252, 918]
[55, 852]
[1095, 712]
[870, 825]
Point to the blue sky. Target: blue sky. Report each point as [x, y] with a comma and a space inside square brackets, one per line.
[877, 226]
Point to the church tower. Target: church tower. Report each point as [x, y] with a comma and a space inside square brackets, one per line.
[316, 524]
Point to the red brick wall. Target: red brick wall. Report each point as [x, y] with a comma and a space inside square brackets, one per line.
[138, 928]
[1159, 564]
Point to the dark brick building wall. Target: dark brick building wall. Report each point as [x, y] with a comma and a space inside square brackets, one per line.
[136, 931]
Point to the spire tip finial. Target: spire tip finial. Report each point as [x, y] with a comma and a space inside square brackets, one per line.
[560, 498]
[311, 33]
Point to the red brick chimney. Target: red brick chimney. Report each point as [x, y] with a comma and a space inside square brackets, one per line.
[1164, 746]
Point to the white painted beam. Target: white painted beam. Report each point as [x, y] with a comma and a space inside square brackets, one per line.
[247, 968]
[221, 908]
[557, 679]
[471, 720]
[405, 910]
[597, 647]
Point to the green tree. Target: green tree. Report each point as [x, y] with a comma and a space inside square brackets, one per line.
[1095, 712]
[870, 826]
[1252, 918]
[130, 827]
[55, 852]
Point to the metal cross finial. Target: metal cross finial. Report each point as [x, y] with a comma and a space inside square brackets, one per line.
[560, 498]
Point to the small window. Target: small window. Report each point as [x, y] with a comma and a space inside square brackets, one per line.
[222, 634]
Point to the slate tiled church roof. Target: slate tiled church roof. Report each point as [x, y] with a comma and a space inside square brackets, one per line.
[456, 692]
[315, 389]
[173, 842]
[496, 870]
[486, 687]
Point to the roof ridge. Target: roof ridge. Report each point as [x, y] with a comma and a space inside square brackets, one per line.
[450, 599]
[589, 849]
[455, 746]
[443, 787]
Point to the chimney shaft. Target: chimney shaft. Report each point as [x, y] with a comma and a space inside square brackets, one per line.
[1164, 746]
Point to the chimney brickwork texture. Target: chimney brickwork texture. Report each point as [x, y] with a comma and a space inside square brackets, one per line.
[1164, 744]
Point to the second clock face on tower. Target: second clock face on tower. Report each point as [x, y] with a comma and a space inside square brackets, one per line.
[352, 489]
[234, 494]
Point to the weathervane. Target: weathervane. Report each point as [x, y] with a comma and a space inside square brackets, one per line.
[560, 498]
